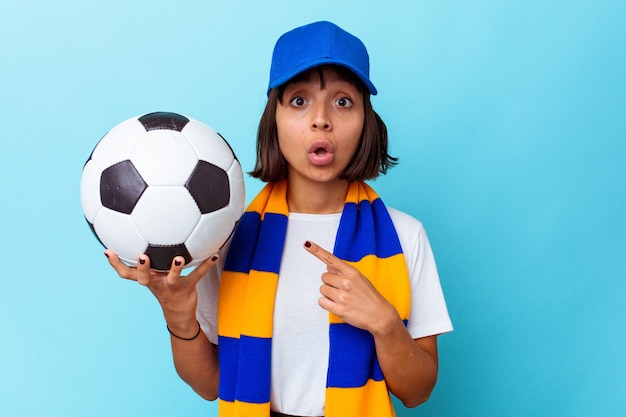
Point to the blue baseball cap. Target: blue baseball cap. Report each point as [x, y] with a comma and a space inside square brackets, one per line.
[317, 44]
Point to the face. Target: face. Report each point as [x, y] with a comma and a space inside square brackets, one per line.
[319, 129]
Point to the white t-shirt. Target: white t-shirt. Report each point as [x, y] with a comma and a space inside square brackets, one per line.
[300, 336]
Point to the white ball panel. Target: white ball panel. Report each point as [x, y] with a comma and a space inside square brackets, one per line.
[118, 233]
[90, 191]
[118, 144]
[211, 233]
[164, 157]
[237, 190]
[208, 144]
[166, 215]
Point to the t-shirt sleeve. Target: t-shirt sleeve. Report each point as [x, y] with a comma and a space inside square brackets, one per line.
[208, 292]
[429, 312]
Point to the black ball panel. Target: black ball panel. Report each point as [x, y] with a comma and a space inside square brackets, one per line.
[121, 186]
[161, 257]
[163, 120]
[209, 186]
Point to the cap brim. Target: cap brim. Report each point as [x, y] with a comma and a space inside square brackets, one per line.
[288, 75]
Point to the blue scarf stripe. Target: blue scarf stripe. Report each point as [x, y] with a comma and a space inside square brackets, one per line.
[253, 371]
[241, 243]
[229, 354]
[255, 358]
[389, 244]
[352, 359]
[356, 229]
[270, 230]
[350, 346]
[272, 233]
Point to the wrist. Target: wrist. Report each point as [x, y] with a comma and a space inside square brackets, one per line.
[184, 326]
[187, 335]
[388, 323]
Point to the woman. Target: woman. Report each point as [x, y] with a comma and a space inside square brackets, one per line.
[328, 300]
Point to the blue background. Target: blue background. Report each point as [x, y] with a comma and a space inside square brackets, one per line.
[510, 122]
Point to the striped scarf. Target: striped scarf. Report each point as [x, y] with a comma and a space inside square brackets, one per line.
[366, 239]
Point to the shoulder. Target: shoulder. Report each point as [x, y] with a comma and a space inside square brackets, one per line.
[413, 240]
[409, 229]
[400, 218]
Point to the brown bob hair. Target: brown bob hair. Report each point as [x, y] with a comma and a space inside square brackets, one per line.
[370, 159]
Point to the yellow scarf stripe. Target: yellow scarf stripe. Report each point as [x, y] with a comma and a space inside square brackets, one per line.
[378, 270]
[371, 400]
[247, 317]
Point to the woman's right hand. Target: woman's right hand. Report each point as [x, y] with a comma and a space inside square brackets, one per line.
[175, 293]
[195, 358]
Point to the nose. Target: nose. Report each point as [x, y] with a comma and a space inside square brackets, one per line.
[320, 118]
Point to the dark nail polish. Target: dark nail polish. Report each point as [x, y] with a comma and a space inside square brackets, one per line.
[307, 244]
[177, 262]
[214, 258]
[142, 261]
[107, 255]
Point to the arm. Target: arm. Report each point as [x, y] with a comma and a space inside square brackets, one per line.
[196, 360]
[410, 366]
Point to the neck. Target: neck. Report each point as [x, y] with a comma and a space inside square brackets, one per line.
[316, 197]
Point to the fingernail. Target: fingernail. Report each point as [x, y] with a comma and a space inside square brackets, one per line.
[107, 255]
[214, 258]
[307, 244]
[142, 261]
[177, 262]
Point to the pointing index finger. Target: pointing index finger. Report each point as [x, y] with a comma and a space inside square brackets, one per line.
[323, 255]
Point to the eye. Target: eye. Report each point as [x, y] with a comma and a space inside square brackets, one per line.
[298, 101]
[344, 102]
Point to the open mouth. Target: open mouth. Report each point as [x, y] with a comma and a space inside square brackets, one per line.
[321, 152]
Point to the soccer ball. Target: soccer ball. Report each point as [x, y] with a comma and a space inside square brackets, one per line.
[165, 185]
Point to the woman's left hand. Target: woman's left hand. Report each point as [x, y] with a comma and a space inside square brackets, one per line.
[409, 365]
[349, 295]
